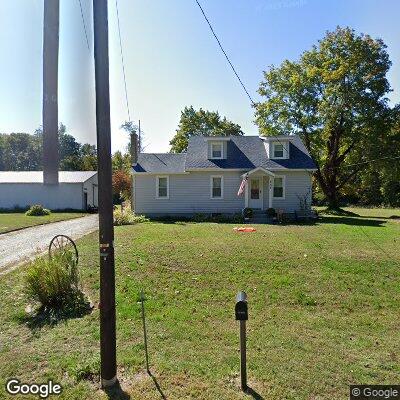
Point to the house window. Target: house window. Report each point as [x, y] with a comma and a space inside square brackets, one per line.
[279, 188]
[216, 150]
[217, 189]
[278, 150]
[162, 187]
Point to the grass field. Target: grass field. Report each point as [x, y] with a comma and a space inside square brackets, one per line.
[324, 304]
[12, 221]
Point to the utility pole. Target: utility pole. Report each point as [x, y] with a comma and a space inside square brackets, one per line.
[50, 90]
[106, 228]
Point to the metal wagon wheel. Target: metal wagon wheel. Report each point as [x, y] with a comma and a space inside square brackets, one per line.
[63, 244]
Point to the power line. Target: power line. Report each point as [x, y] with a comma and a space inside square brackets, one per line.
[223, 51]
[369, 161]
[248, 94]
[84, 25]
[123, 63]
[233, 68]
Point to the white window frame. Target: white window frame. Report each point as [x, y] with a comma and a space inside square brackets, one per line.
[157, 187]
[283, 187]
[212, 144]
[211, 187]
[274, 144]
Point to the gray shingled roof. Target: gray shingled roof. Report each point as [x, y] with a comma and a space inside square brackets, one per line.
[243, 152]
[161, 163]
[37, 176]
[247, 152]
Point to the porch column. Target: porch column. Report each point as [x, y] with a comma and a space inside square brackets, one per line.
[271, 191]
[246, 194]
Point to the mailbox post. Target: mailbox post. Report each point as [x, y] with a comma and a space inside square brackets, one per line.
[241, 315]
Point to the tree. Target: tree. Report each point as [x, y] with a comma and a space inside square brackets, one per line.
[122, 184]
[130, 127]
[73, 155]
[23, 152]
[201, 123]
[334, 98]
[121, 162]
[88, 157]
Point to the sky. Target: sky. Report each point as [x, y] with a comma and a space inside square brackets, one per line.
[171, 58]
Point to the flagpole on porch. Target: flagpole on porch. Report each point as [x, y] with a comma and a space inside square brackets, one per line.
[246, 195]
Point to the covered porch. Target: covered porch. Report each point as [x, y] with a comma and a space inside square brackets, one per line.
[258, 193]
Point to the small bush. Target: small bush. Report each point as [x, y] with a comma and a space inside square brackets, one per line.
[247, 212]
[271, 212]
[53, 282]
[37, 210]
[127, 217]
[199, 217]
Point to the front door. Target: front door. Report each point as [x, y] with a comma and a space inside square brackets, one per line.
[255, 193]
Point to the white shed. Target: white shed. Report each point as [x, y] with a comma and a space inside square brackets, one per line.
[76, 190]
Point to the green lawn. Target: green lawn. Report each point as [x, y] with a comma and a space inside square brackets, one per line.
[324, 304]
[12, 221]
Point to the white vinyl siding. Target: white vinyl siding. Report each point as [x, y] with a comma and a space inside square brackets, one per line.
[190, 193]
[297, 184]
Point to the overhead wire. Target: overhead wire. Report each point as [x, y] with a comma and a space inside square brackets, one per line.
[224, 52]
[84, 24]
[123, 62]
[369, 161]
[253, 104]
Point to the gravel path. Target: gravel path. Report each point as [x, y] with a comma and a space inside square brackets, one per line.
[20, 246]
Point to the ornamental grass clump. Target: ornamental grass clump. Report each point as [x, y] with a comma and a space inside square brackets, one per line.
[53, 282]
[127, 217]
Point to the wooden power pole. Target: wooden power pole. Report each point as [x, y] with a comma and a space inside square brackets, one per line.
[106, 228]
[50, 91]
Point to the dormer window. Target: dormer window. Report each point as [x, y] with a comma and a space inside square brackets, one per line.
[217, 150]
[217, 147]
[280, 150]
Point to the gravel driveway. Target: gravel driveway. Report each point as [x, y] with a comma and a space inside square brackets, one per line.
[17, 247]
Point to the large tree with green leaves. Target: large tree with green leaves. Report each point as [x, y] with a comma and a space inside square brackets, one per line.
[201, 123]
[379, 181]
[20, 152]
[23, 152]
[334, 98]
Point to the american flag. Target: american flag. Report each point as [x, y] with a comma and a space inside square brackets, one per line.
[242, 185]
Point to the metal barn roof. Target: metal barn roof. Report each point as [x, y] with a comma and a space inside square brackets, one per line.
[37, 176]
